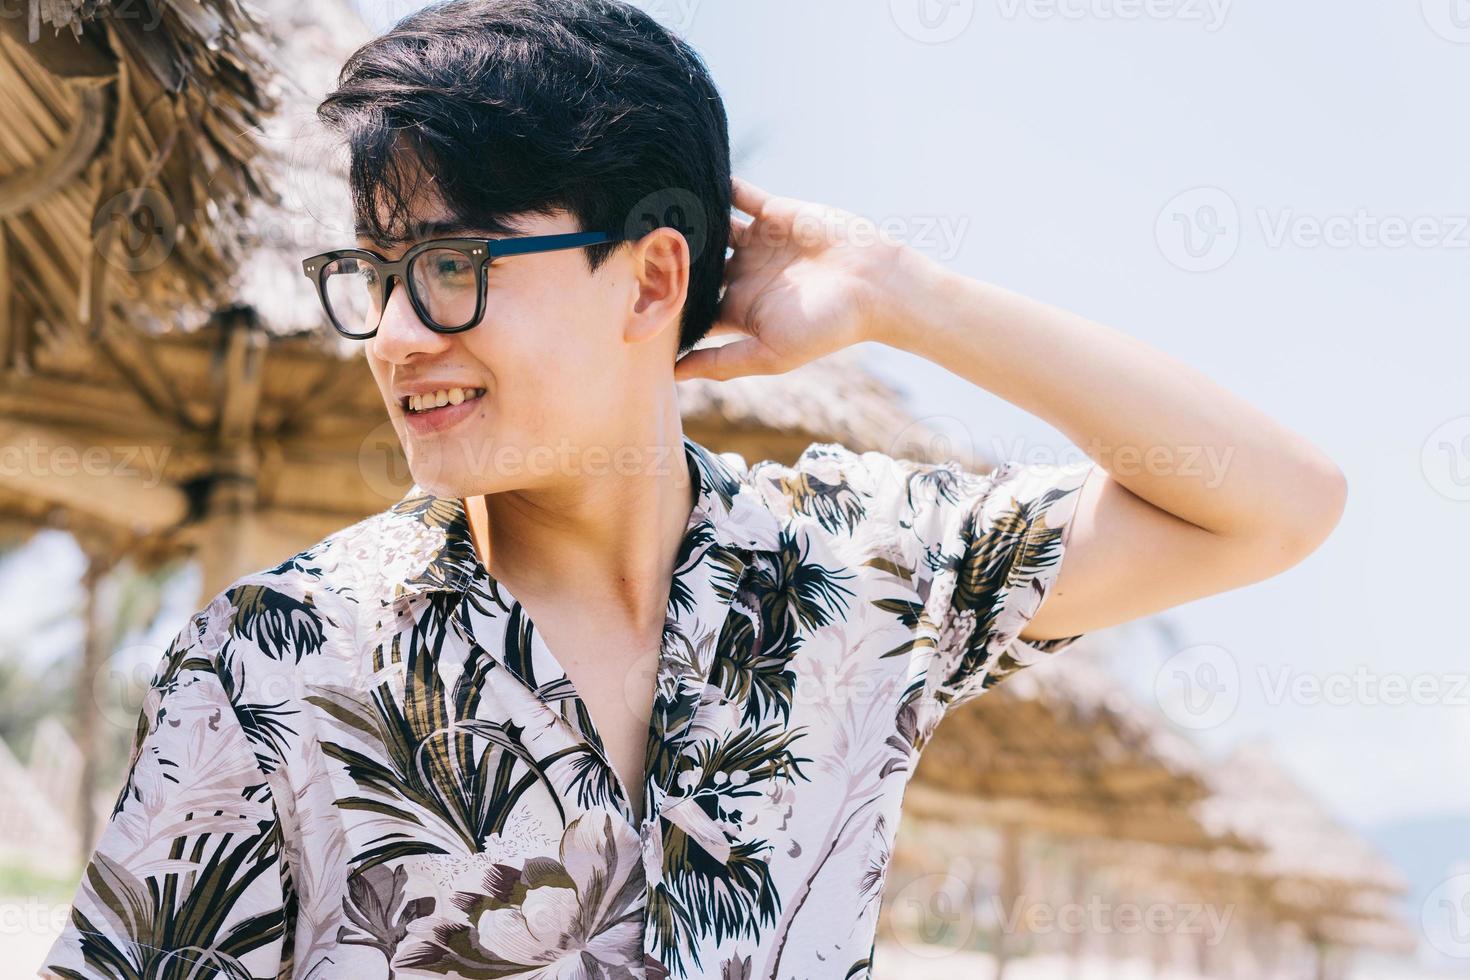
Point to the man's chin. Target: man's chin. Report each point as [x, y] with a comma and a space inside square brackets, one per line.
[443, 485]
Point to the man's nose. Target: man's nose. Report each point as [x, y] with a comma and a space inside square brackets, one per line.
[401, 334]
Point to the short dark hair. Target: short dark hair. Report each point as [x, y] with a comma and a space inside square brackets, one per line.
[530, 106]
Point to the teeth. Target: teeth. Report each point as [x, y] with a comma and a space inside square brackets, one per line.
[442, 397]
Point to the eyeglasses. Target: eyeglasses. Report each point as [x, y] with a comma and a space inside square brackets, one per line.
[445, 278]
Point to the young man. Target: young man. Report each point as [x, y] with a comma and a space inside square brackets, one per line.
[593, 700]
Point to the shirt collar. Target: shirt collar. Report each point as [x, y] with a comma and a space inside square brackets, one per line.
[431, 535]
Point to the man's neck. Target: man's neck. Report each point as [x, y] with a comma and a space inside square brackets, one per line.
[611, 536]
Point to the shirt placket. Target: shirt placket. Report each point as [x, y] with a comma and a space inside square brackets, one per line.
[532, 664]
[711, 607]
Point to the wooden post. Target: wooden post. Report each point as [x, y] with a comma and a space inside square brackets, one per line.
[1010, 895]
[1077, 881]
[94, 655]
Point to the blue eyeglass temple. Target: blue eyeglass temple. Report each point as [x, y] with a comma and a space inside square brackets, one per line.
[547, 243]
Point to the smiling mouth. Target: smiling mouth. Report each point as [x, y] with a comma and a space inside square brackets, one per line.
[421, 404]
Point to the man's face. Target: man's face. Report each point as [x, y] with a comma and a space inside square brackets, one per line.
[545, 371]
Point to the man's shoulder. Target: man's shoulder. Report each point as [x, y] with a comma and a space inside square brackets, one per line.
[290, 608]
[838, 489]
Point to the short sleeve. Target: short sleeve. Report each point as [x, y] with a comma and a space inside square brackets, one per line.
[985, 550]
[186, 877]
[1002, 552]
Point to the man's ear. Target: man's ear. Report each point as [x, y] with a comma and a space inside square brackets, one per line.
[661, 261]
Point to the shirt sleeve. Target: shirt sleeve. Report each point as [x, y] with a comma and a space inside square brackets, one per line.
[1007, 545]
[186, 878]
[985, 550]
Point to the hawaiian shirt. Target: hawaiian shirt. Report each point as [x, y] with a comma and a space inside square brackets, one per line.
[365, 762]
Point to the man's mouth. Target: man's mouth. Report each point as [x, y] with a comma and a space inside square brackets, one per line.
[420, 404]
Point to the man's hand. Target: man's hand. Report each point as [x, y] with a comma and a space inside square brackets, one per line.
[805, 280]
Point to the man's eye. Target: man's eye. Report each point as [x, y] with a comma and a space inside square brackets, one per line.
[448, 269]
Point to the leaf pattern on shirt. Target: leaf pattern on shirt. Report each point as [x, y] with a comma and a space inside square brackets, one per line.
[365, 761]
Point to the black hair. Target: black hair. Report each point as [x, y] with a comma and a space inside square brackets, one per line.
[517, 107]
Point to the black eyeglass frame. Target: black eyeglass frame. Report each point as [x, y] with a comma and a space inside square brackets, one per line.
[482, 251]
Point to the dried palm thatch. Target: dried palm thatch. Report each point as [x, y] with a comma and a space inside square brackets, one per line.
[1061, 747]
[1312, 870]
[833, 399]
[126, 161]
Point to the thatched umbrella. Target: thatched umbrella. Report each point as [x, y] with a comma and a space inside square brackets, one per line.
[1309, 869]
[1059, 750]
[125, 157]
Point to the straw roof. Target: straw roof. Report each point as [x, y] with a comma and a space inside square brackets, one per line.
[126, 159]
[1255, 798]
[1303, 865]
[1062, 747]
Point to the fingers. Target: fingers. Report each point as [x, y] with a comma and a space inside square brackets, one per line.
[748, 197]
[722, 363]
[739, 231]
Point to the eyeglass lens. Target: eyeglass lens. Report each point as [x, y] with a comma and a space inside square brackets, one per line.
[441, 280]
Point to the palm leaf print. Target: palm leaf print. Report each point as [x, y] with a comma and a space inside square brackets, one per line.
[836, 506]
[1006, 556]
[171, 935]
[441, 784]
[798, 592]
[279, 623]
[699, 896]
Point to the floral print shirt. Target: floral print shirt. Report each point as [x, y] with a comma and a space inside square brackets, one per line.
[365, 762]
